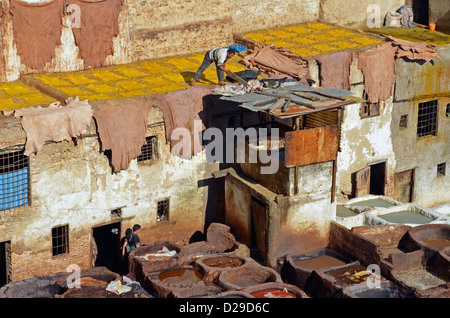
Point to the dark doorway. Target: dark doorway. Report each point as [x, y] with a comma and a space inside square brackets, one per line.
[107, 241]
[258, 248]
[377, 178]
[4, 263]
[420, 9]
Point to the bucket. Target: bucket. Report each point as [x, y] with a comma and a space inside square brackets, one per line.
[432, 26]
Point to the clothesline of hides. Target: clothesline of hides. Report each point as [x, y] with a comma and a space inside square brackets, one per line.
[122, 126]
[37, 30]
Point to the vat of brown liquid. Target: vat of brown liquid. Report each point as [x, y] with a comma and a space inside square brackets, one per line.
[275, 290]
[296, 270]
[430, 237]
[152, 258]
[179, 282]
[247, 276]
[215, 264]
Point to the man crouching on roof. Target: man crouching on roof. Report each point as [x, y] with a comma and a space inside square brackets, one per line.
[219, 56]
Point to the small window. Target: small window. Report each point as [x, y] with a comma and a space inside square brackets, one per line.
[403, 121]
[447, 110]
[148, 150]
[427, 119]
[369, 109]
[441, 169]
[60, 240]
[14, 180]
[163, 210]
[116, 213]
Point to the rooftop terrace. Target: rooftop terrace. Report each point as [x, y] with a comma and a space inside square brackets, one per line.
[174, 73]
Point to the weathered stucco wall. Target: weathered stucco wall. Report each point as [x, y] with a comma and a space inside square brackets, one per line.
[417, 83]
[357, 13]
[363, 140]
[87, 191]
[374, 139]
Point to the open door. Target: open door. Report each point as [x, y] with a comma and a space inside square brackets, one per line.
[258, 226]
[361, 182]
[403, 182]
[106, 242]
[5, 254]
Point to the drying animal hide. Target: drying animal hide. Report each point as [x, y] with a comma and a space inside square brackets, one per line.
[37, 31]
[335, 69]
[414, 50]
[277, 62]
[378, 68]
[122, 128]
[53, 123]
[378, 65]
[180, 109]
[99, 25]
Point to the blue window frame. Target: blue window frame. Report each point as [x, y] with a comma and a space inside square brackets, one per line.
[14, 180]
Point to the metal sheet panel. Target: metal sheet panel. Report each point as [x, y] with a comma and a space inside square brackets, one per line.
[309, 146]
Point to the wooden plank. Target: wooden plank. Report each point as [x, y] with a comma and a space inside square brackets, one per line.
[309, 146]
[362, 182]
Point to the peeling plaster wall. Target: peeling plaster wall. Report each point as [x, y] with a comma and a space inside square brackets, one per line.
[374, 139]
[66, 55]
[356, 13]
[295, 224]
[364, 140]
[416, 83]
[73, 184]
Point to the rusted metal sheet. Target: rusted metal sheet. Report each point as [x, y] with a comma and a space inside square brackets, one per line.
[311, 146]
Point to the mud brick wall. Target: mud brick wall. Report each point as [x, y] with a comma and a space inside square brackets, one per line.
[28, 264]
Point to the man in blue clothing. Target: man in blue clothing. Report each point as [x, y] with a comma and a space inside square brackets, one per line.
[219, 56]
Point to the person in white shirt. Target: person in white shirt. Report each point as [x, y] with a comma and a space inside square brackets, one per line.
[219, 56]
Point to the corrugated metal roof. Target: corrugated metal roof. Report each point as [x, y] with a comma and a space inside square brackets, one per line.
[293, 99]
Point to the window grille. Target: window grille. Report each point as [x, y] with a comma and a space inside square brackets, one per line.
[60, 240]
[147, 150]
[14, 180]
[427, 119]
[369, 109]
[441, 169]
[403, 121]
[163, 211]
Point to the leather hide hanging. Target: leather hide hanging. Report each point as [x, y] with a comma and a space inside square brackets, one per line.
[99, 24]
[37, 31]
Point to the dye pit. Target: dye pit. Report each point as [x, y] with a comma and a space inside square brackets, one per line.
[222, 268]
[406, 217]
[373, 203]
[273, 293]
[223, 262]
[319, 262]
[181, 276]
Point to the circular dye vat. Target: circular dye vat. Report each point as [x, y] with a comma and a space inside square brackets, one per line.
[224, 262]
[437, 241]
[247, 276]
[181, 276]
[273, 293]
